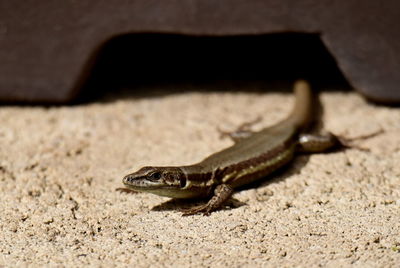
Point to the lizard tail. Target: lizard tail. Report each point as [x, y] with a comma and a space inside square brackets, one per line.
[301, 115]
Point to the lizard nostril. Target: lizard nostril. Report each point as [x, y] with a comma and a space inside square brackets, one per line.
[127, 179]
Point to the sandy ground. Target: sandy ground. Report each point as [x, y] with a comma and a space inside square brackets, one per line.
[60, 166]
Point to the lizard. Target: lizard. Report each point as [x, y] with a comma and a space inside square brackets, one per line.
[252, 157]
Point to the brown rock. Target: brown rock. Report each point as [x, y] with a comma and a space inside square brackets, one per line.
[48, 48]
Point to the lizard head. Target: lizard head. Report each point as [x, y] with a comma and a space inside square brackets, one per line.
[165, 181]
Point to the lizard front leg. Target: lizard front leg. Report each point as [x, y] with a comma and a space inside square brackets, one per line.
[221, 194]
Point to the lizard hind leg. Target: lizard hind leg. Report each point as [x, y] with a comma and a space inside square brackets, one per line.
[320, 143]
[221, 194]
[311, 143]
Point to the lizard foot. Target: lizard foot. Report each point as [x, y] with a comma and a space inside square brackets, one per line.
[126, 191]
[348, 142]
[243, 131]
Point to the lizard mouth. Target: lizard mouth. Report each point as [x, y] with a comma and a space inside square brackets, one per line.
[143, 183]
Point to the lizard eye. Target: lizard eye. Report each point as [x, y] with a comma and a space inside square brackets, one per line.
[155, 176]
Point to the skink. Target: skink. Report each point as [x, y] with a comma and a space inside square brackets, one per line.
[249, 159]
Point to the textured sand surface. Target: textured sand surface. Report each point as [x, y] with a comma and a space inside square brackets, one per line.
[60, 166]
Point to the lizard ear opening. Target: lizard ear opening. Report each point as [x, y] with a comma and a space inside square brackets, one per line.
[182, 182]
